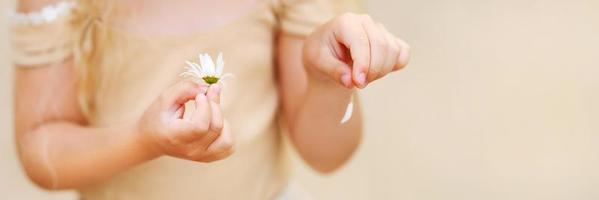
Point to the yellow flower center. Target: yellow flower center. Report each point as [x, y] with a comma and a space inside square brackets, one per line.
[210, 79]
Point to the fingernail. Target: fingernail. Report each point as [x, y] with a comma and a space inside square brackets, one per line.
[346, 80]
[361, 79]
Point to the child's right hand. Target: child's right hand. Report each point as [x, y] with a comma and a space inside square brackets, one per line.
[204, 137]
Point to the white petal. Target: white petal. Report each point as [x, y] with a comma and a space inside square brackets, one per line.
[348, 111]
[202, 61]
[189, 63]
[220, 64]
[187, 74]
[193, 68]
[209, 67]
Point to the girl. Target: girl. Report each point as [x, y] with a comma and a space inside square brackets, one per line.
[100, 108]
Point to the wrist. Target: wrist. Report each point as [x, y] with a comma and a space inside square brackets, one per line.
[144, 142]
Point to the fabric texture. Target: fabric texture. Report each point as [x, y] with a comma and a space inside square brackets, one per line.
[129, 70]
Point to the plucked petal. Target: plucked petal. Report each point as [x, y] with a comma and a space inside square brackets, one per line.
[348, 111]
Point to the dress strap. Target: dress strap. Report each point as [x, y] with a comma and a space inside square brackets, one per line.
[40, 38]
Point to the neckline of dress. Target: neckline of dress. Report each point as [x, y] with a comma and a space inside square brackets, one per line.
[260, 6]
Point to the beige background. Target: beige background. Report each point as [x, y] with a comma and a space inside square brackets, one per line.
[501, 101]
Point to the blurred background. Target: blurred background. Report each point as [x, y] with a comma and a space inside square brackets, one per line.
[500, 101]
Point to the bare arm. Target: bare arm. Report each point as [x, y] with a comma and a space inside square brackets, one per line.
[57, 149]
[313, 106]
[318, 75]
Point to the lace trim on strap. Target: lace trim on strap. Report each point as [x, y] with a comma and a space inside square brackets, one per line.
[47, 14]
[43, 37]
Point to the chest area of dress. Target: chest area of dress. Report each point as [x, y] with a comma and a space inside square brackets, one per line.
[133, 69]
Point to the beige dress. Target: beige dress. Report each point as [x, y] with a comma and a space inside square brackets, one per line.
[129, 70]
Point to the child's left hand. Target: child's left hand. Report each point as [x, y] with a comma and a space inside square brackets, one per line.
[353, 50]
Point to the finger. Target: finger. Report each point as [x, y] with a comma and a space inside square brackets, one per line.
[180, 93]
[204, 89]
[404, 55]
[214, 143]
[332, 66]
[392, 51]
[181, 132]
[184, 131]
[174, 98]
[216, 121]
[180, 111]
[213, 93]
[224, 143]
[354, 37]
[200, 119]
[216, 126]
[378, 49]
[216, 157]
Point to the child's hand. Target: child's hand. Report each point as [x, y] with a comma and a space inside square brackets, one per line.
[204, 137]
[354, 50]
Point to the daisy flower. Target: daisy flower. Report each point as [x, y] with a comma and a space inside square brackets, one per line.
[206, 70]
